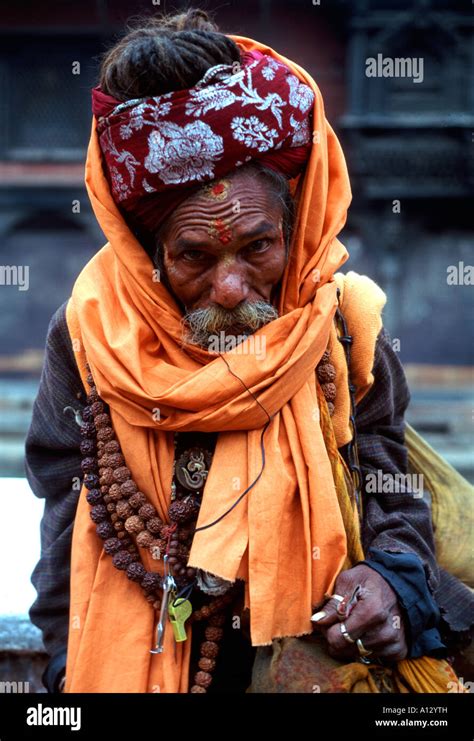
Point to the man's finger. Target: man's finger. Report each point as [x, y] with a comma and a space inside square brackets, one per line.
[379, 638]
[366, 616]
[394, 652]
[327, 615]
[360, 621]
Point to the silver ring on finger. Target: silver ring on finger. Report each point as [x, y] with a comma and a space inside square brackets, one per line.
[363, 652]
[362, 649]
[345, 633]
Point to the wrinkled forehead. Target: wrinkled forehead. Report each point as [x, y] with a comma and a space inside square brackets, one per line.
[240, 198]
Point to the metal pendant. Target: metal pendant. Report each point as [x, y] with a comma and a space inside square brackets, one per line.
[192, 468]
[169, 589]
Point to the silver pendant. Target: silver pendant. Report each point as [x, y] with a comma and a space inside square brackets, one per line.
[169, 587]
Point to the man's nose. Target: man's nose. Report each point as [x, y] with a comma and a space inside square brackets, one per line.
[229, 286]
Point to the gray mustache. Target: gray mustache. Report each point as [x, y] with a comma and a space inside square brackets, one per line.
[247, 318]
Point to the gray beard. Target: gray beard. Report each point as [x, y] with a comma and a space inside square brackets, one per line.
[201, 326]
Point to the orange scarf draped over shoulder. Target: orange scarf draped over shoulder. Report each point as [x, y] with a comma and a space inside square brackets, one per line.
[128, 327]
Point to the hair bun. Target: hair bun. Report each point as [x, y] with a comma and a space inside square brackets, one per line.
[193, 19]
[166, 54]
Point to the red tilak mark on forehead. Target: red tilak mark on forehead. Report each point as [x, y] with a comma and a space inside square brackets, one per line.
[218, 189]
[220, 229]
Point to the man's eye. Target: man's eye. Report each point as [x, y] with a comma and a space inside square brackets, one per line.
[260, 245]
[192, 255]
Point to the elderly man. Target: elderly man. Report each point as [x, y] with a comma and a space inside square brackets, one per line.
[199, 356]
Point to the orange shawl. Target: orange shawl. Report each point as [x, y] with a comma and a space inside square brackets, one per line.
[129, 328]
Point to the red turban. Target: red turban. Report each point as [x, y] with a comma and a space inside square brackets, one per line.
[159, 150]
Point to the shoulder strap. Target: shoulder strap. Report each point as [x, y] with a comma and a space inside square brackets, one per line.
[352, 450]
[357, 323]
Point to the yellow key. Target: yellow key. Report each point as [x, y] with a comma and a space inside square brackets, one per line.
[179, 610]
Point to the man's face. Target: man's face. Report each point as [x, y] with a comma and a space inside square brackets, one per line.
[224, 254]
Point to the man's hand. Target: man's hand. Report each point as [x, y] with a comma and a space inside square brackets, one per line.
[376, 617]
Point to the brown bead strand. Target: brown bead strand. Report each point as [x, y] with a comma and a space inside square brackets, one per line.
[326, 373]
[209, 648]
[112, 506]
